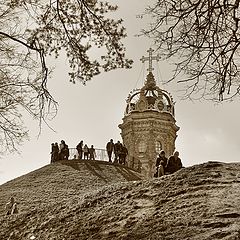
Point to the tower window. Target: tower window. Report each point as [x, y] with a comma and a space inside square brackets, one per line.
[158, 147]
[142, 146]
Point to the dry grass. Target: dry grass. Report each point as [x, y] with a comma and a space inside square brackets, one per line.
[97, 202]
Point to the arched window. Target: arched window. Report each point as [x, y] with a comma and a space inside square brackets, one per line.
[142, 146]
[158, 147]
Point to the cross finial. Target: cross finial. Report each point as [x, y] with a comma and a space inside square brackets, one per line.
[150, 58]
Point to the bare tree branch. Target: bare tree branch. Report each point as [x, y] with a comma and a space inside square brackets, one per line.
[33, 29]
[201, 37]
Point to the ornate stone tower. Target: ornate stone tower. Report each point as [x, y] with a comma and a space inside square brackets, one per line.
[149, 125]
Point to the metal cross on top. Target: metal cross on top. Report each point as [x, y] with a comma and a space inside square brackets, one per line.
[150, 59]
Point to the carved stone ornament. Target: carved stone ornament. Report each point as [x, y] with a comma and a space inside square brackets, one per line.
[141, 104]
[160, 105]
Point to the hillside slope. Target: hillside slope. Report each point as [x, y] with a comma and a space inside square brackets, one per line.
[199, 202]
[60, 181]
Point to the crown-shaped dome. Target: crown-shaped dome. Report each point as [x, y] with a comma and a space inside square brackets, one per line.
[149, 98]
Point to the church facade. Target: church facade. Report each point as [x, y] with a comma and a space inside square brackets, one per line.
[149, 124]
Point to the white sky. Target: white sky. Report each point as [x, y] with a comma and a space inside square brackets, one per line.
[92, 113]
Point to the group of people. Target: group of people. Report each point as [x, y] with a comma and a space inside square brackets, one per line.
[163, 165]
[59, 152]
[84, 152]
[120, 152]
[167, 166]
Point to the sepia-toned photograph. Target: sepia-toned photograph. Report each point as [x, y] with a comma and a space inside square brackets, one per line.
[119, 120]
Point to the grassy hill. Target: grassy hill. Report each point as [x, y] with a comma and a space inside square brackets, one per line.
[90, 200]
[60, 181]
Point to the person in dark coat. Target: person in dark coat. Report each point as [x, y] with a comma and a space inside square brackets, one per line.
[61, 149]
[117, 149]
[123, 154]
[174, 163]
[54, 152]
[110, 148]
[161, 164]
[92, 153]
[66, 152]
[80, 150]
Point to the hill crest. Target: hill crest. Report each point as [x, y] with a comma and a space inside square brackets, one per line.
[199, 202]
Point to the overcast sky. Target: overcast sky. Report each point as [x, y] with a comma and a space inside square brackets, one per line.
[92, 113]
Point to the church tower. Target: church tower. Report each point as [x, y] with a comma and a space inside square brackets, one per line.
[149, 124]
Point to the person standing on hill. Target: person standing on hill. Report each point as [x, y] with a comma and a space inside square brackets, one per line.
[85, 152]
[80, 150]
[161, 164]
[11, 207]
[65, 152]
[61, 149]
[92, 153]
[123, 154]
[174, 163]
[117, 149]
[110, 148]
[54, 152]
